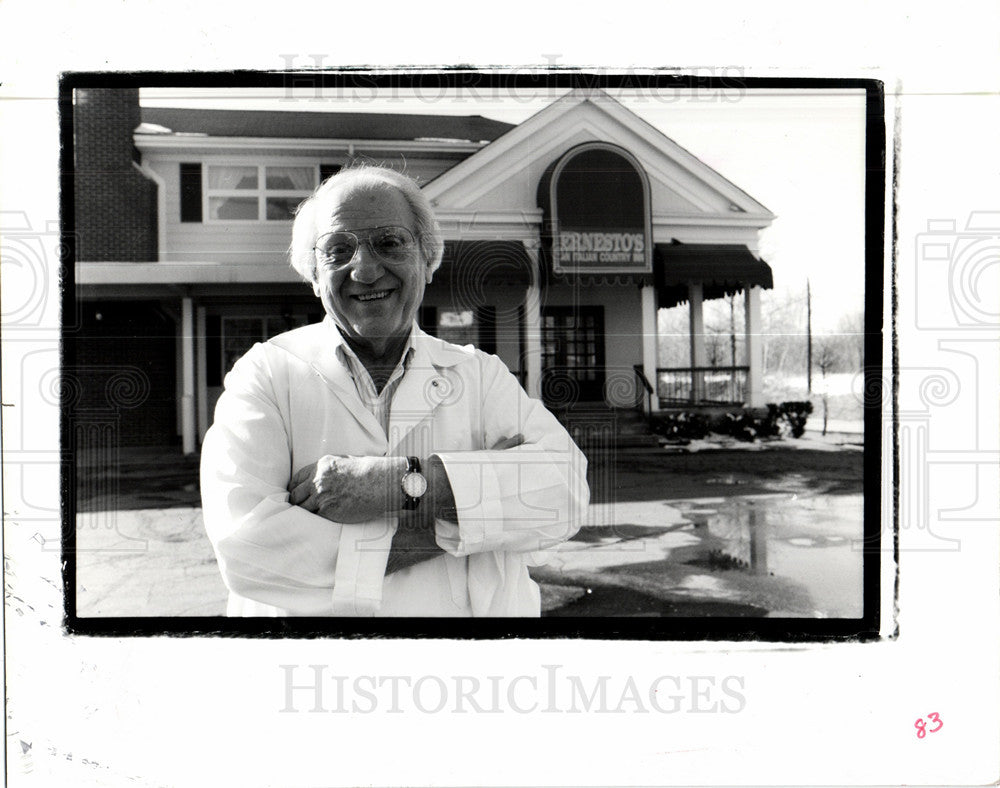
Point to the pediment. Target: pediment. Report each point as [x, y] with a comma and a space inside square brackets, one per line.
[505, 174]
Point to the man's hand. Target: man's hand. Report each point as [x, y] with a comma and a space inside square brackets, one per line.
[349, 489]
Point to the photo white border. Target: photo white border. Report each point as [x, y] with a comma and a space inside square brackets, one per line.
[184, 711]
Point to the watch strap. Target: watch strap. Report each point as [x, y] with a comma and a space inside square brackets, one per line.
[412, 466]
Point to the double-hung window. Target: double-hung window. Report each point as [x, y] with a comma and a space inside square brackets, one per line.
[255, 193]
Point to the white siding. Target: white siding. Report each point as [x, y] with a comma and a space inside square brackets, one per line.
[257, 241]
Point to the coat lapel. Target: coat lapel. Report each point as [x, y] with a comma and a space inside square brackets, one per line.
[320, 353]
[428, 383]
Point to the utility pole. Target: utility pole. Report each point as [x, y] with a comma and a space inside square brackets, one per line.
[809, 339]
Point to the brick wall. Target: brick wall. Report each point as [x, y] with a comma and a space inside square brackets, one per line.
[115, 203]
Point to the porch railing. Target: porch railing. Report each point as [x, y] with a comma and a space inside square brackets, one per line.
[701, 385]
[643, 387]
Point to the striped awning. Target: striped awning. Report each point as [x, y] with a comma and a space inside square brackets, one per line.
[721, 269]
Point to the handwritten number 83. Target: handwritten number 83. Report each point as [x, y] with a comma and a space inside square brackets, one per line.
[921, 726]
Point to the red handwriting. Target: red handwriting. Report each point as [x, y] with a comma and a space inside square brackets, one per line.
[921, 725]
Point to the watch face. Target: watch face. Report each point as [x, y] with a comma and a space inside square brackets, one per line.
[414, 484]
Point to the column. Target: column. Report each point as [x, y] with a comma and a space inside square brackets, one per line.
[755, 349]
[201, 349]
[650, 356]
[178, 374]
[699, 357]
[187, 376]
[533, 340]
[532, 364]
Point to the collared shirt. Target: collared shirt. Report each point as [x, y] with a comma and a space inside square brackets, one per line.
[376, 403]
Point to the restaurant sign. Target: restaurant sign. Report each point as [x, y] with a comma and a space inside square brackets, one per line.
[600, 217]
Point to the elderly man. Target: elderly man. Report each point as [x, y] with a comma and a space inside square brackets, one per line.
[362, 467]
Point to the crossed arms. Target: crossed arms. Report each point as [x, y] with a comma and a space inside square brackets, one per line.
[277, 534]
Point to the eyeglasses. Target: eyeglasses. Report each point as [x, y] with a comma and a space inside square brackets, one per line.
[392, 244]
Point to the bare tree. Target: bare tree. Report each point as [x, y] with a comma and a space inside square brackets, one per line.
[826, 356]
[713, 342]
[783, 317]
[852, 333]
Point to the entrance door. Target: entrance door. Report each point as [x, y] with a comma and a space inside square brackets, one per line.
[572, 355]
[130, 343]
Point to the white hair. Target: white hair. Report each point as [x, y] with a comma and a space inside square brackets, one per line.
[304, 229]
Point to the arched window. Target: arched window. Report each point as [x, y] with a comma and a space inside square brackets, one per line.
[599, 201]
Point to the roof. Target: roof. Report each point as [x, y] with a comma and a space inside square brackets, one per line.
[324, 125]
[582, 115]
[722, 269]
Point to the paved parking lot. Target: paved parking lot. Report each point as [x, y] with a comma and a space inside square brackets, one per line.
[769, 530]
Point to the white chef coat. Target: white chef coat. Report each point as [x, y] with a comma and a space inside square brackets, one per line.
[290, 401]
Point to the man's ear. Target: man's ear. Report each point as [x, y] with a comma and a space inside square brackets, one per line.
[428, 273]
[316, 288]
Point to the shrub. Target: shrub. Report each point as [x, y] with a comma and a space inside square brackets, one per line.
[681, 426]
[795, 414]
[746, 425]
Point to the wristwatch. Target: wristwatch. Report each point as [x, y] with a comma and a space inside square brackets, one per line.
[413, 483]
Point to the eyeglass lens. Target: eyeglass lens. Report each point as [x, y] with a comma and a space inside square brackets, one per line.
[389, 243]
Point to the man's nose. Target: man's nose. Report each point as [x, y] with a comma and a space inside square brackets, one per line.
[366, 268]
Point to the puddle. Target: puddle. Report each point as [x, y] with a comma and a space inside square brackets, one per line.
[806, 540]
[786, 554]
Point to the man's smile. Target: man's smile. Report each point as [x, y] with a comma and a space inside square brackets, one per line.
[374, 295]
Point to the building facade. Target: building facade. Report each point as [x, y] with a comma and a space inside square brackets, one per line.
[564, 236]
